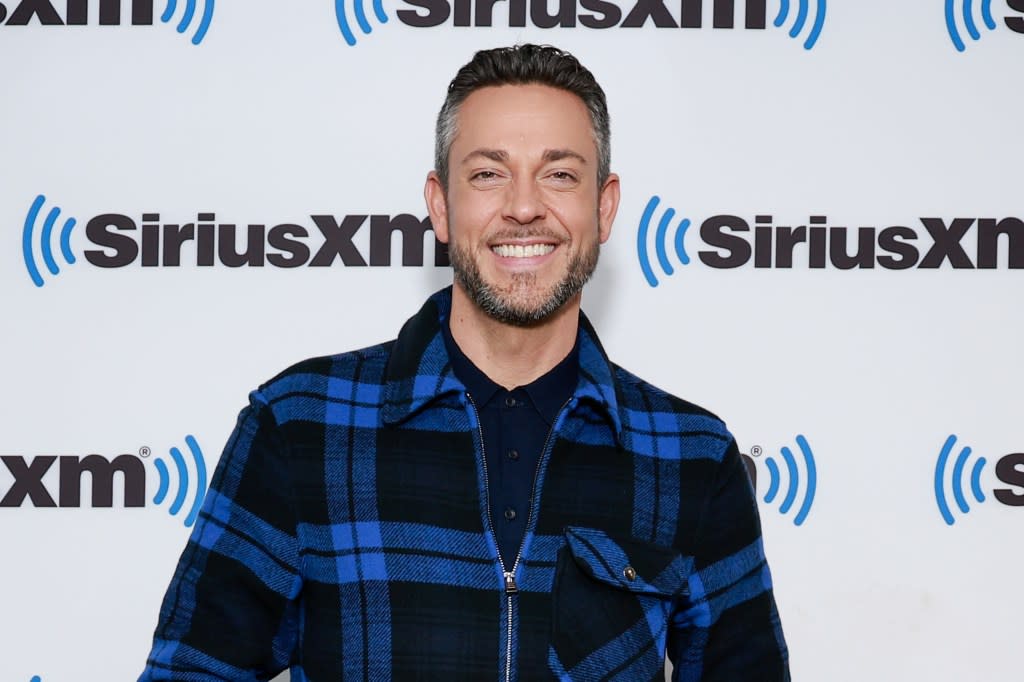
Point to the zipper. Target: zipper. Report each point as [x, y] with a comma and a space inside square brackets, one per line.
[511, 588]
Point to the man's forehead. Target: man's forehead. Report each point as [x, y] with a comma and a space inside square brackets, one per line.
[554, 121]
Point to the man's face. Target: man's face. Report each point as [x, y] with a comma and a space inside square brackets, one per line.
[523, 215]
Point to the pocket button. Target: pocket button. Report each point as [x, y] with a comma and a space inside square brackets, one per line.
[629, 573]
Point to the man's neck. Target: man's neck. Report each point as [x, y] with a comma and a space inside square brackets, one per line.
[512, 356]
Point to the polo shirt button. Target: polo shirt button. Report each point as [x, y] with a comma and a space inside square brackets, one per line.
[629, 573]
[513, 454]
[510, 514]
[510, 401]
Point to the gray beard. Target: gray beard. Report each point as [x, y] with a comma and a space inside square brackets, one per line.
[503, 307]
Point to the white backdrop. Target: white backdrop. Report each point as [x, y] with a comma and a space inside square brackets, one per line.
[273, 118]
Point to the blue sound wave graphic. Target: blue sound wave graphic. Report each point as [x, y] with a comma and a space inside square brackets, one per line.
[28, 237]
[183, 481]
[188, 15]
[793, 485]
[660, 241]
[957, 480]
[967, 15]
[360, 14]
[802, 15]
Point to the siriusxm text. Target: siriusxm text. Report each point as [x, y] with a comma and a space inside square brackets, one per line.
[962, 243]
[601, 14]
[205, 242]
[77, 12]
[28, 484]
[588, 13]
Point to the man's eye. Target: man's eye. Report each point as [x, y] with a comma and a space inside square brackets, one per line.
[563, 176]
[484, 175]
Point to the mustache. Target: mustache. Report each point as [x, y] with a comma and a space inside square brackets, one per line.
[526, 232]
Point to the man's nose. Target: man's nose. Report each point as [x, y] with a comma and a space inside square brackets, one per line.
[524, 202]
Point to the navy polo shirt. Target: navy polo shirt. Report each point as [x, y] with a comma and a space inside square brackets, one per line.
[515, 428]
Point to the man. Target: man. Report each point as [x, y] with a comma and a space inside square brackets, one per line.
[487, 496]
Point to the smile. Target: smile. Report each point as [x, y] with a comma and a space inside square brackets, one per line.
[522, 251]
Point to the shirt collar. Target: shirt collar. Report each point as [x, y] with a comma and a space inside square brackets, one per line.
[548, 393]
[419, 369]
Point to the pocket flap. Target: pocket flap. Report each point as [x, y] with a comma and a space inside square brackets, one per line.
[629, 564]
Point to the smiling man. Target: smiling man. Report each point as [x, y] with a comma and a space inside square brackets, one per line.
[487, 496]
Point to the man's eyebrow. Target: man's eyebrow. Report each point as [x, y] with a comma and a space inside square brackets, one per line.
[496, 155]
[551, 155]
[501, 156]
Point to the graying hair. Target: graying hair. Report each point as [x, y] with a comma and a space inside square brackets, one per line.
[521, 65]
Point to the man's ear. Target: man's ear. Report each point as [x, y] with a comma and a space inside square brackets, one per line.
[437, 206]
[607, 206]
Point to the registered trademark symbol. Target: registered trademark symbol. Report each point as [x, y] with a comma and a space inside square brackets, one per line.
[756, 451]
[145, 451]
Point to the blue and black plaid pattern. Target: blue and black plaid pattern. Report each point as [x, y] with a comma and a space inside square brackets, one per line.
[345, 536]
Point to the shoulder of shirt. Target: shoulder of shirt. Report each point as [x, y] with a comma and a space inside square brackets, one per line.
[324, 376]
[637, 395]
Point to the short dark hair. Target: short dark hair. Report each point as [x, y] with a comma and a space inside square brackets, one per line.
[521, 65]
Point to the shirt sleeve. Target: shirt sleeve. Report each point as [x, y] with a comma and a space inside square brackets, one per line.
[231, 610]
[729, 628]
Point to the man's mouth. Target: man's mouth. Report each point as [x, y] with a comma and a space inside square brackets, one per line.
[522, 250]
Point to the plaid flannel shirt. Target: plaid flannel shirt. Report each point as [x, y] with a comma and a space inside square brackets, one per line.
[346, 536]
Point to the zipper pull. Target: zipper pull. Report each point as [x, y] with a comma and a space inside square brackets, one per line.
[510, 584]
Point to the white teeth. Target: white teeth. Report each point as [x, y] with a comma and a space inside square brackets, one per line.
[520, 251]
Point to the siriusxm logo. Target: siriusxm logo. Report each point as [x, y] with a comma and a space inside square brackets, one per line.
[109, 13]
[803, 19]
[28, 484]
[800, 489]
[183, 481]
[1009, 469]
[995, 243]
[46, 239]
[122, 241]
[358, 13]
[965, 17]
[661, 238]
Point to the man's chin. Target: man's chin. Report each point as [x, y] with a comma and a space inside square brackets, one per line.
[523, 301]
[520, 309]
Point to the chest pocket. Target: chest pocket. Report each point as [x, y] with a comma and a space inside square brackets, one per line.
[612, 601]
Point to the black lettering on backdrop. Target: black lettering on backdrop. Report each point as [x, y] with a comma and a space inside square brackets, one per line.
[1015, 23]
[338, 240]
[1010, 470]
[40, 9]
[989, 232]
[786, 240]
[173, 240]
[609, 14]
[412, 230]
[101, 232]
[227, 247]
[485, 11]
[566, 16]
[889, 240]
[438, 12]
[286, 238]
[102, 471]
[28, 481]
[947, 243]
[654, 9]
[713, 232]
[839, 253]
[723, 13]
